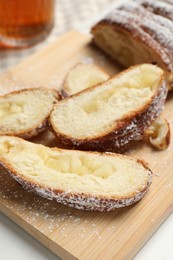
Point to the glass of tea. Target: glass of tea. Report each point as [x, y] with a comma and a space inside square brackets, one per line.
[25, 22]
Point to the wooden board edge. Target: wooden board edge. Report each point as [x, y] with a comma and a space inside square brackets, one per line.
[62, 253]
[147, 236]
[43, 239]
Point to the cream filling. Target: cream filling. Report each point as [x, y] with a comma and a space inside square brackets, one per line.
[74, 171]
[97, 111]
[24, 110]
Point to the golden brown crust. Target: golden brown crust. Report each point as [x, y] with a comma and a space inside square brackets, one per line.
[81, 73]
[158, 134]
[41, 126]
[139, 36]
[147, 23]
[130, 128]
[82, 201]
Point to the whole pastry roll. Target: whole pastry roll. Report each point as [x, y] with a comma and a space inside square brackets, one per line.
[139, 31]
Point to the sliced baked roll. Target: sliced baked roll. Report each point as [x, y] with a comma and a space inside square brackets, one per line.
[84, 180]
[138, 31]
[25, 112]
[109, 115]
[82, 76]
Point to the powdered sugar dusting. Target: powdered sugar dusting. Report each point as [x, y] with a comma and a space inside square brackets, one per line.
[150, 22]
[158, 7]
[137, 9]
[82, 201]
[10, 82]
[132, 131]
[140, 26]
[49, 216]
[158, 27]
[87, 60]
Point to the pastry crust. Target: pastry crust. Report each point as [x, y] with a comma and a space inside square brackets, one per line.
[82, 76]
[25, 112]
[158, 134]
[138, 32]
[125, 129]
[123, 186]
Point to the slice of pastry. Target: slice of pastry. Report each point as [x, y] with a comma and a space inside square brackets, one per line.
[109, 115]
[25, 112]
[84, 180]
[82, 76]
[139, 31]
[158, 133]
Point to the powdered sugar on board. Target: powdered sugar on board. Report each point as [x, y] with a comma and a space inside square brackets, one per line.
[52, 216]
[11, 82]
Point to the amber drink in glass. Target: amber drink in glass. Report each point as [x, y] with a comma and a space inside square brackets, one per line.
[25, 22]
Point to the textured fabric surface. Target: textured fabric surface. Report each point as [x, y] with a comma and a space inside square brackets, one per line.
[69, 14]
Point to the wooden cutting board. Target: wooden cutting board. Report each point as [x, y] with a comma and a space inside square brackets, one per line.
[70, 233]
